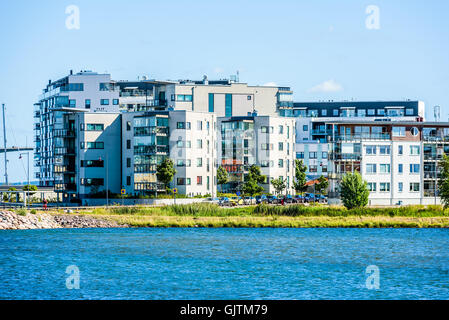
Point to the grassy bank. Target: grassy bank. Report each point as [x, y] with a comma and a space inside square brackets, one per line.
[295, 216]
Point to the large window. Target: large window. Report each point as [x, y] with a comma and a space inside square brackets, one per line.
[183, 125]
[372, 186]
[400, 168]
[228, 105]
[92, 182]
[384, 168]
[104, 102]
[94, 127]
[92, 145]
[414, 168]
[183, 181]
[384, 150]
[370, 150]
[384, 187]
[414, 150]
[414, 187]
[211, 102]
[398, 131]
[184, 97]
[92, 163]
[371, 168]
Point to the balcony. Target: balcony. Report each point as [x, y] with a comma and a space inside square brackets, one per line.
[321, 132]
[149, 187]
[435, 138]
[151, 150]
[64, 151]
[378, 136]
[65, 187]
[335, 156]
[63, 133]
[148, 131]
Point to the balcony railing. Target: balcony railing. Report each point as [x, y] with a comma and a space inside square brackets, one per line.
[64, 151]
[64, 133]
[379, 136]
[65, 187]
[148, 131]
[149, 186]
[345, 156]
[441, 138]
[150, 150]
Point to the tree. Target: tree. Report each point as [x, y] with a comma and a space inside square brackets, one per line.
[443, 183]
[222, 177]
[354, 191]
[300, 177]
[322, 185]
[254, 177]
[29, 187]
[165, 172]
[279, 185]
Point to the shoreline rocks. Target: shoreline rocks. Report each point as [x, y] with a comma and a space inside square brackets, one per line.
[12, 221]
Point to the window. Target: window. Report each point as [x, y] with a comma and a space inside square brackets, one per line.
[199, 162]
[183, 125]
[72, 103]
[324, 112]
[335, 113]
[88, 182]
[384, 150]
[384, 168]
[73, 87]
[371, 168]
[372, 186]
[414, 150]
[281, 146]
[281, 163]
[105, 86]
[400, 186]
[312, 113]
[184, 97]
[414, 187]
[180, 144]
[128, 144]
[267, 146]
[281, 129]
[371, 112]
[400, 168]
[92, 145]
[199, 144]
[409, 112]
[312, 155]
[313, 168]
[370, 150]
[115, 102]
[299, 155]
[381, 112]
[249, 98]
[384, 187]
[400, 150]
[183, 181]
[188, 144]
[128, 162]
[398, 131]
[128, 126]
[324, 155]
[199, 180]
[128, 180]
[199, 125]
[266, 129]
[104, 102]
[414, 168]
[324, 169]
[228, 105]
[361, 113]
[94, 127]
[414, 131]
[305, 128]
[87, 103]
[92, 163]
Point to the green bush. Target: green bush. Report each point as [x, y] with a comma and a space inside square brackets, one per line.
[33, 211]
[21, 212]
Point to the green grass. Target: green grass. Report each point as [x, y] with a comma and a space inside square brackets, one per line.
[264, 216]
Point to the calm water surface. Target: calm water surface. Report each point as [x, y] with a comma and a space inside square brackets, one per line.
[225, 263]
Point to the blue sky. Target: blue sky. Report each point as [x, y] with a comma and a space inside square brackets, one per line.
[322, 49]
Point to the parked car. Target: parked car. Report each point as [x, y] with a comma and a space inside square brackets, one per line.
[273, 200]
[236, 201]
[261, 199]
[249, 200]
[289, 199]
[309, 197]
[224, 201]
[299, 198]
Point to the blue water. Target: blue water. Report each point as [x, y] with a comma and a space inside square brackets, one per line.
[225, 263]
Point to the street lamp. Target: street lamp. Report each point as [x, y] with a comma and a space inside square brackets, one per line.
[28, 170]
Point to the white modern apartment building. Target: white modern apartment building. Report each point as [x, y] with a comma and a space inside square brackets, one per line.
[265, 141]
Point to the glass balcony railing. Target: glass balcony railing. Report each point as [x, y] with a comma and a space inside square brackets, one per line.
[376, 136]
[151, 150]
